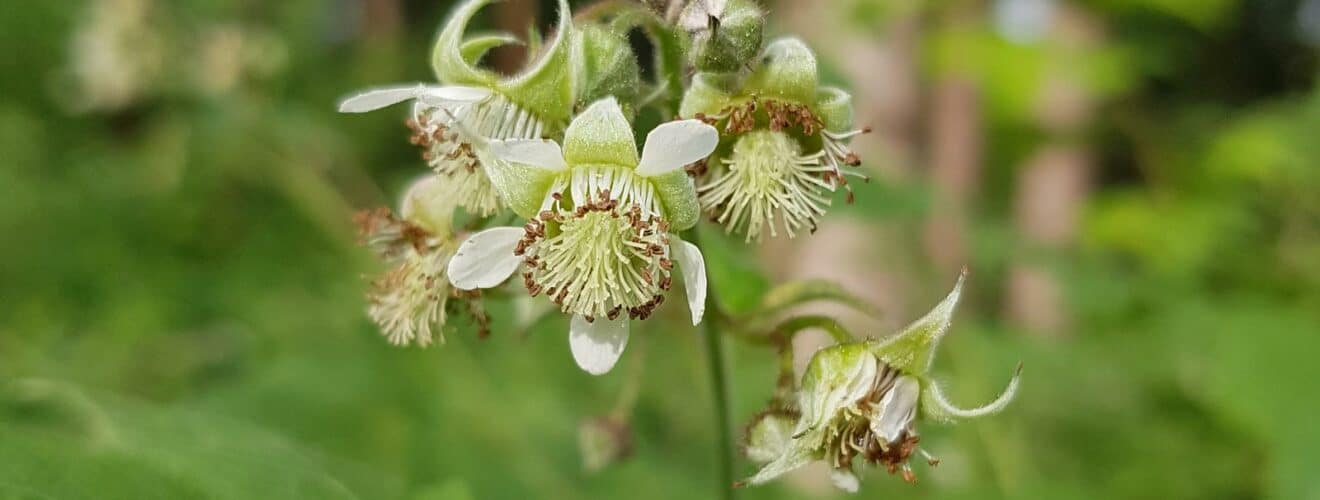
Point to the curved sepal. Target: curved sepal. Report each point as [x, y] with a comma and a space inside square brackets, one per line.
[708, 94]
[429, 203]
[546, 88]
[605, 65]
[476, 46]
[787, 71]
[834, 107]
[836, 377]
[447, 55]
[600, 135]
[678, 197]
[913, 349]
[522, 178]
[935, 406]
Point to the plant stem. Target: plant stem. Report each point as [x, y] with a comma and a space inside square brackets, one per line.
[719, 388]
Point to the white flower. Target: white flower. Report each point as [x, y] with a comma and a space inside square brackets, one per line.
[599, 241]
[408, 302]
[451, 121]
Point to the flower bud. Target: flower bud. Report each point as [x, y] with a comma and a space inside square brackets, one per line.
[726, 34]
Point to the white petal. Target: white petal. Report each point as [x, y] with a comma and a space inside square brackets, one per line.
[845, 480]
[485, 259]
[674, 144]
[542, 153]
[897, 408]
[373, 99]
[452, 94]
[693, 266]
[597, 345]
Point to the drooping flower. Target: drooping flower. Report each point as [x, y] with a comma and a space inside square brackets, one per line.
[783, 143]
[408, 302]
[599, 239]
[531, 105]
[861, 401]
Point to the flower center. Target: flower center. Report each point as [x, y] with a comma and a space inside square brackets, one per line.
[450, 154]
[767, 178]
[853, 432]
[599, 259]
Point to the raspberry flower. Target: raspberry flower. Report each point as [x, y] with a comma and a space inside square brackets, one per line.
[599, 241]
[861, 400]
[783, 145]
[527, 106]
[408, 302]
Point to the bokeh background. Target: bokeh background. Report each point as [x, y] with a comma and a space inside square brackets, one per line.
[1135, 185]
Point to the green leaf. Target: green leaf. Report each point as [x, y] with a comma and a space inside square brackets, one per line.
[67, 444]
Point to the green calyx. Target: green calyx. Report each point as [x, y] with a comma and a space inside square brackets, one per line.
[600, 134]
[912, 350]
[604, 64]
[545, 88]
[786, 73]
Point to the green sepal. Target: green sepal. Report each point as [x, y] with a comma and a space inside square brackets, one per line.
[447, 59]
[678, 196]
[546, 88]
[605, 65]
[600, 135]
[834, 108]
[835, 377]
[522, 187]
[709, 93]
[476, 46]
[787, 71]
[913, 349]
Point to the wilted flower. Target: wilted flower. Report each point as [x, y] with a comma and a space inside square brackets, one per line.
[861, 400]
[487, 106]
[116, 55]
[408, 302]
[783, 142]
[598, 242]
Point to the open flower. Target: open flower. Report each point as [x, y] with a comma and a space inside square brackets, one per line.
[536, 102]
[783, 145]
[861, 400]
[408, 302]
[599, 241]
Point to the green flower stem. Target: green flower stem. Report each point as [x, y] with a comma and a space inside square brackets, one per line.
[719, 385]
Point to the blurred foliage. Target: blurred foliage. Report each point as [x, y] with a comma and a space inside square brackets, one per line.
[180, 293]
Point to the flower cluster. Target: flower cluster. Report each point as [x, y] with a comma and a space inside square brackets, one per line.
[741, 131]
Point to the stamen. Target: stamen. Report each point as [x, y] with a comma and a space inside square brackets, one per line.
[446, 149]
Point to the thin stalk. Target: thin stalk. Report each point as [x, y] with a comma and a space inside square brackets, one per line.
[719, 388]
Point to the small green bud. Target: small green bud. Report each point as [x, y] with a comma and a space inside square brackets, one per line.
[726, 34]
[605, 65]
